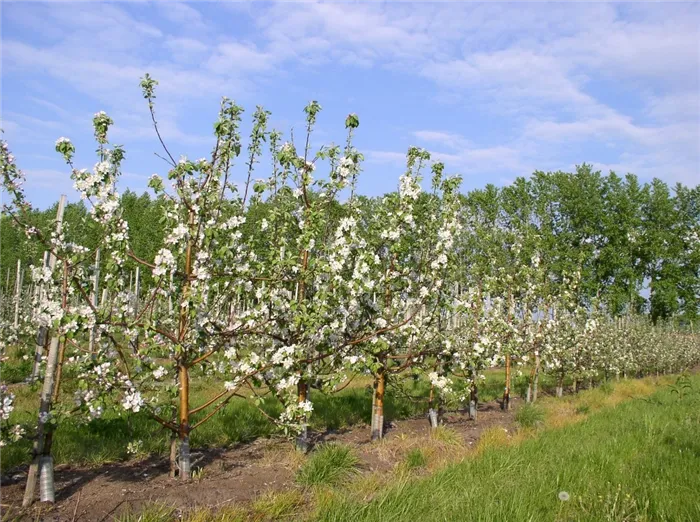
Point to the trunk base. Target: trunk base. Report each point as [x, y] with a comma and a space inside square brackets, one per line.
[173, 457]
[472, 410]
[46, 483]
[433, 418]
[302, 442]
[184, 461]
[377, 426]
[378, 406]
[506, 403]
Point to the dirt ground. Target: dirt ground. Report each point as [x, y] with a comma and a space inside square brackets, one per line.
[231, 476]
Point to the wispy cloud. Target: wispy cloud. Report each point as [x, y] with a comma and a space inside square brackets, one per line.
[518, 86]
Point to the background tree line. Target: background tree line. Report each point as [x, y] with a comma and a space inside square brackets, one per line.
[636, 245]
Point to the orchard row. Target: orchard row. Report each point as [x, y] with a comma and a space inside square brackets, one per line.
[273, 285]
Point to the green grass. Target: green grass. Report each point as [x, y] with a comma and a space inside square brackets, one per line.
[155, 512]
[278, 506]
[529, 416]
[638, 461]
[16, 370]
[328, 465]
[583, 409]
[415, 459]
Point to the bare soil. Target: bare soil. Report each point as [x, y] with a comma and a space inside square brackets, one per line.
[230, 476]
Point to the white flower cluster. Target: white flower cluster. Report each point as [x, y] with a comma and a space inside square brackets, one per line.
[441, 382]
[346, 167]
[7, 404]
[164, 262]
[132, 401]
[409, 187]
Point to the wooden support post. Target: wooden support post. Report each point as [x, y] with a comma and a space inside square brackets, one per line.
[46, 403]
[18, 292]
[93, 299]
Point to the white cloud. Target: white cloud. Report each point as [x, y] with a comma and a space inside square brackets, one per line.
[232, 57]
[57, 180]
[614, 126]
[677, 106]
[8, 127]
[385, 157]
[31, 121]
[542, 69]
[187, 46]
[448, 139]
[58, 110]
[461, 155]
[182, 14]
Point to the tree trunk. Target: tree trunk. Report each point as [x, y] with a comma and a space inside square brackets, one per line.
[46, 480]
[93, 300]
[18, 292]
[46, 484]
[184, 434]
[473, 401]
[183, 369]
[49, 389]
[303, 437]
[42, 333]
[378, 405]
[41, 342]
[173, 456]
[534, 377]
[506, 393]
[42, 427]
[432, 412]
[560, 386]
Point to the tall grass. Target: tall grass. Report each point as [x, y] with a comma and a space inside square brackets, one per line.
[328, 465]
[529, 416]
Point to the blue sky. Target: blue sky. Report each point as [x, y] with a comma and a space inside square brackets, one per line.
[494, 90]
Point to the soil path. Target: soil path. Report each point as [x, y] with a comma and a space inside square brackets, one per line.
[229, 476]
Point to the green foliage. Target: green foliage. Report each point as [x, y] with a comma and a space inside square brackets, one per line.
[328, 465]
[682, 387]
[16, 370]
[619, 233]
[141, 212]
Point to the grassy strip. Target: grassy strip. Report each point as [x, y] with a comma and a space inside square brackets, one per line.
[635, 459]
